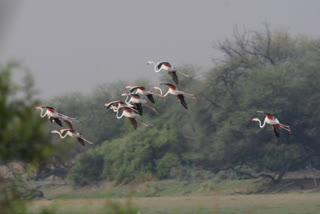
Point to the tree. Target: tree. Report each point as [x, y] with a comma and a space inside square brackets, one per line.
[269, 71]
[23, 136]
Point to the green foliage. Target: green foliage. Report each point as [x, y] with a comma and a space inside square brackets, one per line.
[165, 164]
[23, 135]
[268, 70]
[88, 168]
[132, 157]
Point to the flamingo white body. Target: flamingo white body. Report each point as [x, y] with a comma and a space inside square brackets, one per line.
[274, 122]
[161, 66]
[180, 94]
[72, 133]
[54, 116]
[132, 115]
[133, 99]
[120, 104]
[136, 99]
[143, 91]
[166, 66]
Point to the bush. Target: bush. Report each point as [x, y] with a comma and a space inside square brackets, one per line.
[88, 167]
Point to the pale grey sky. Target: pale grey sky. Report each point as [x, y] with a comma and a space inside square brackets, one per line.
[73, 45]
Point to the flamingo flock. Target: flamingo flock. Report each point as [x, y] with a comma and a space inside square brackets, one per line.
[133, 108]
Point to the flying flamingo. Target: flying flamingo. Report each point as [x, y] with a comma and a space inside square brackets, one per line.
[274, 122]
[72, 133]
[132, 115]
[180, 95]
[166, 66]
[120, 103]
[137, 101]
[141, 90]
[54, 116]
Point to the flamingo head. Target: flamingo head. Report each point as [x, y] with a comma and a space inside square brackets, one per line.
[260, 112]
[156, 88]
[255, 119]
[150, 62]
[55, 131]
[128, 87]
[42, 106]
[112, 107]
[124, 94]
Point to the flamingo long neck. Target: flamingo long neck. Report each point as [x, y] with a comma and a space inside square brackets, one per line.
[155, 67]
[126, 101]
[264, 123]
[61, 136]
[167, 93]
[160, 90]
[43, 114]
[114, 109]
[119, 117]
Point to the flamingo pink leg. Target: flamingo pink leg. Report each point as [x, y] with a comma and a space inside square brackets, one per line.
[86, 140]
[159, 95]
[144, 123]
[189, 95]
[285, 127]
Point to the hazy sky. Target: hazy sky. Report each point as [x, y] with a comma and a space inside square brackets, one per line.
[73, 45]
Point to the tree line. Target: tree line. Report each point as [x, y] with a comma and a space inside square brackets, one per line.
[267, 70]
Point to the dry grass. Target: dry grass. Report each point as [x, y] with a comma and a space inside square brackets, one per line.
[292, 203]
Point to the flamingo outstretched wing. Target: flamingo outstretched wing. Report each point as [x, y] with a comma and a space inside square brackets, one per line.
[174, 76]
[133, 122]
[180, 97]
[276, 130]
[150, 97]
[81, 141]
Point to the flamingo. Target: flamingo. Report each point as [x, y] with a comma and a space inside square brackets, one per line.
[120, 103]
[143, 91]
[166, 66]
[137, 101]
[132, 115]
[274, 122]
[54, 116]
[180, 95]
[72, 133]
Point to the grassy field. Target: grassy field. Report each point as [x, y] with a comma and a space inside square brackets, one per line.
[290, 203]
[223, 197]
[151, 189]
